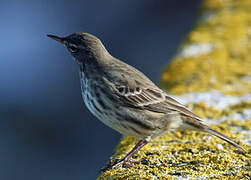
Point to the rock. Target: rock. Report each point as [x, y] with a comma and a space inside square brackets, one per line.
[211, 75]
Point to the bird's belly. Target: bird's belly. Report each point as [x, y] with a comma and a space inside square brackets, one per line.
[113, 117]
[110, 113]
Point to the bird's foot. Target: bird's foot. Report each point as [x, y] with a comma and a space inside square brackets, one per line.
[125, 163]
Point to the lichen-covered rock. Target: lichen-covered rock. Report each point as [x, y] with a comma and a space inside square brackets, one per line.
[211, 74]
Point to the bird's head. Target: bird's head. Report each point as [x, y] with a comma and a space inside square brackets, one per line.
[82, 46]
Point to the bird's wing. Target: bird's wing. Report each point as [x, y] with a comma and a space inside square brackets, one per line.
[152, 99]
[141, 93]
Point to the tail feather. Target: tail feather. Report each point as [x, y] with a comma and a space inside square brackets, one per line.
[195, 124]
[223, 137]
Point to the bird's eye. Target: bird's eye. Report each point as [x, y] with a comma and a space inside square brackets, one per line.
[73, 48]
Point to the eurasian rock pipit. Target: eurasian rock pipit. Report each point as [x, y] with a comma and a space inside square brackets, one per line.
[125, 99]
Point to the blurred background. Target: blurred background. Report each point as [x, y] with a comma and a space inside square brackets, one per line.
[46, 132]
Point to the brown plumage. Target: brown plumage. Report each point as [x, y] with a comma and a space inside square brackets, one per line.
[125, 99]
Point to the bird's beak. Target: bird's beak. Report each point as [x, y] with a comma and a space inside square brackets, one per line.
[59, 39]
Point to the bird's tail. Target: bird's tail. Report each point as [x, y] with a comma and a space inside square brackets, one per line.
[223, 137]
[197, 125]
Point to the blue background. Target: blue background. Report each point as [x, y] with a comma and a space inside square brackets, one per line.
[46, 132]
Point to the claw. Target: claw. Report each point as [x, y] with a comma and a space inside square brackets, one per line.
[125, 163]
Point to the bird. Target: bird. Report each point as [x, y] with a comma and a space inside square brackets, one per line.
[125, 99]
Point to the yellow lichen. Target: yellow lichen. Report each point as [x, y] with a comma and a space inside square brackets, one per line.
[188, 154]
[204, 111]
[229, 31]
[226, 67]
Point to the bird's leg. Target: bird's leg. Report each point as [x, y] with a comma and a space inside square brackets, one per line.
[126, 160]
[137, 147]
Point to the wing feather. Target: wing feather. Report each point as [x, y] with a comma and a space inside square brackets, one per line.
[153, 100]
[140, 92]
